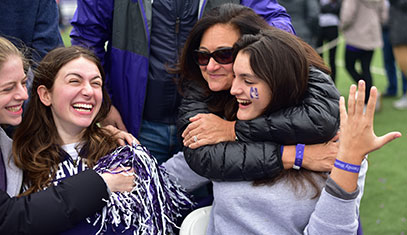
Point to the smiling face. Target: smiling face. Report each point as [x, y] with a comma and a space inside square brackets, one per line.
[218, 76]
[76, 96]
[252, 93]
[13, 91]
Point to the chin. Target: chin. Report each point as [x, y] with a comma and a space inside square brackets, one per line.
[14, 122]
[242, 117]
[217, 87]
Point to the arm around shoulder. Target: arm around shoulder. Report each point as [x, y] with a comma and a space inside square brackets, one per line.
[55, 209]
[236, 161]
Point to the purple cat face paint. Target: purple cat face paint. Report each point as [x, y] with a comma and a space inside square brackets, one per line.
[254, 94]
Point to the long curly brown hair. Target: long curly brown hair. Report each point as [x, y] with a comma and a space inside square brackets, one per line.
[289, 63]
[36, 145]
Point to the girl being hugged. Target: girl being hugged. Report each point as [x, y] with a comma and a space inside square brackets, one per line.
[68, 101]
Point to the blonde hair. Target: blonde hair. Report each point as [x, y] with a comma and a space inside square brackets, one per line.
[7, 50]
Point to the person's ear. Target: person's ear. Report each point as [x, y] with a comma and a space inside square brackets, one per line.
[44, 95]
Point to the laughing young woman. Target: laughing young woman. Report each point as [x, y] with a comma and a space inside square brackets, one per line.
[68, 101]
[45, 211]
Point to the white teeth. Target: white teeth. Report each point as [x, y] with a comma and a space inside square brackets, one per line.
[240, 101]
[14, 108]
[82, 107]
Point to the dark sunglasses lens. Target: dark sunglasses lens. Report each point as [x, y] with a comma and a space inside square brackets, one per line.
[223, 56]
[202, 58]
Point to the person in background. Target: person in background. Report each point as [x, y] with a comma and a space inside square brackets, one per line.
[391, 70]
[144, 39]
[45, 211]
[361, 22]
[328, 29]
[398, 39]
[304, 17]
[390, 64]
[32, 22]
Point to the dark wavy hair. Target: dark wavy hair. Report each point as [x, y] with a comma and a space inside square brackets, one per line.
[36, 145]
[245, 21]
[279, 59]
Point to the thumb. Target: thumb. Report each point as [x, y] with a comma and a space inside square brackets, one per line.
[388, 137]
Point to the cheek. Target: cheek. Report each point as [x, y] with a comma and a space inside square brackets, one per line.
[99, 96]
[5, 100]
[254, 93]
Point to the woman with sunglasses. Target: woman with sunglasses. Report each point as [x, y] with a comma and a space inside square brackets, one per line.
[297, 201]
[211, 147]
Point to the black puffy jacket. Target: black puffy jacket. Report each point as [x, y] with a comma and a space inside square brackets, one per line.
[257, 153]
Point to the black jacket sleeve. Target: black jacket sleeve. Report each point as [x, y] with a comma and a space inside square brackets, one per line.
[315, 120]
[55, 209]
[236, 161]
[194, 102]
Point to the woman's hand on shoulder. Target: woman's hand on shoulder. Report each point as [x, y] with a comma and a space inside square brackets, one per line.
[123, 137]
[206, 129]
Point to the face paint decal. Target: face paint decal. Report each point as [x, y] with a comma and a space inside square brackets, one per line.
[254, 94]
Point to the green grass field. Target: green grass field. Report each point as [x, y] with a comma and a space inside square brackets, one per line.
[384, 204]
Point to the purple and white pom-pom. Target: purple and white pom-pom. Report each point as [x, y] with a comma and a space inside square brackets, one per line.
[154, 203]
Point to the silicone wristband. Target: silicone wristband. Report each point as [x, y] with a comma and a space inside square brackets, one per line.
[299, 154]
[347, 166]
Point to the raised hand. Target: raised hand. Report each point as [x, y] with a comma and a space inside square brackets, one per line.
[357, 137]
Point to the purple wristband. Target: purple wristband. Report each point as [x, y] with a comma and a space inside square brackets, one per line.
[299, 154]
[347, 166]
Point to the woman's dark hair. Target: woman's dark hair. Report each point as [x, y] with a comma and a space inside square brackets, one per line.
[245, 21]
[279, 59]
[36, 145]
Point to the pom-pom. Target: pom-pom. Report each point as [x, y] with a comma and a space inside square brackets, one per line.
[155, 201]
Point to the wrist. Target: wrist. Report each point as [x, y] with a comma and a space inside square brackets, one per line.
[106, 178]
[299, 155]
[233, 131]
[346, 166]
[288, 156]
[351, 158]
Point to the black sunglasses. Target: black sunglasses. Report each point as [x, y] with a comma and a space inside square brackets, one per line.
[222, 56]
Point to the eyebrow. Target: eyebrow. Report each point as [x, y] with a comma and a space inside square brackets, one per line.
[78, 75]
[13, 82]
[247, 75]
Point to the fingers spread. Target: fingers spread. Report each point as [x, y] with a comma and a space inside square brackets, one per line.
[351, 100]
[360, 101]
[370, 108]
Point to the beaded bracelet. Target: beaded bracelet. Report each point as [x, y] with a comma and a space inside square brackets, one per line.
[347, 166]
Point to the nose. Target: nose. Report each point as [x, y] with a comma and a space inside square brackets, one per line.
[212, 65]
[21, 93]
[236, 88]
[87, 89]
